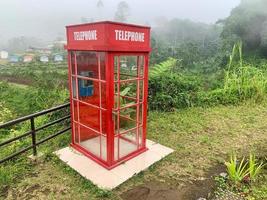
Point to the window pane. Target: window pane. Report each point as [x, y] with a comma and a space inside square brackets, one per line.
[87, 64]
[128, 67]
[115, 68]
[102, 57]
[76, 132]
[73, 82]
[125, 144]
[141, 65]
[128, 95]
[127, 119]
[75, 110]
[89, 116]
[72, 60]
[141, 90]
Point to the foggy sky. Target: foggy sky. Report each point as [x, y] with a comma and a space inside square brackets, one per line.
[46, 19]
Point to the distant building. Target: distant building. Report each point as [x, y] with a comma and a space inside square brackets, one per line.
[3, 55]
[41, 50]
[44, 58]
[27, 58]
[58, 58]
[13, 58]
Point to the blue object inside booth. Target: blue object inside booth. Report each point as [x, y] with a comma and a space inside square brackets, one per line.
[86, 87]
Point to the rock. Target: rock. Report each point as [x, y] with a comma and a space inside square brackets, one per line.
[223, 174]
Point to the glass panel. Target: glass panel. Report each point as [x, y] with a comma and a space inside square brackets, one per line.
[89, 116]
[102, 57]
[128, 93]
[87, 64]
[72, 60]
[103, 147]
[127, 119]
[104, 122]
[89, 91]
[73, 82]
[75, 132]
[115, 122]
[140, 134]
[125, 144]
[115, 68]
[97, 145]
[141, 90]
[128, 67]
[90, 140]
[140, 115]
[141, 65]
[116, 100]
[103, 96]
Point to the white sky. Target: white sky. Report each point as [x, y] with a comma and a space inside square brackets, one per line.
[46, 19]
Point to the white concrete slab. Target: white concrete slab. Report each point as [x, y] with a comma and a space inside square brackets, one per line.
[109, 179]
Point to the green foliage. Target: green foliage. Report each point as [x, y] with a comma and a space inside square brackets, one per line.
[169, 91]
[249, 81]
[167, 66]
[248, 23]
[254, 167]
[123, 12]
[243, 171]
[236, 171]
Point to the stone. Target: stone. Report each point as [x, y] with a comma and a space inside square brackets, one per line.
[223, 174]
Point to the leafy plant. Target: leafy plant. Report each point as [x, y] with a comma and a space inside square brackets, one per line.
[254, 167]
[236, 171]
[244, 80]
[163, 67]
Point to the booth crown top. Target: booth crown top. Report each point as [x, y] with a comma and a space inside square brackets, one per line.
[108, 36]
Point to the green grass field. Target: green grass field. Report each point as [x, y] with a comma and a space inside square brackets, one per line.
[202, 139]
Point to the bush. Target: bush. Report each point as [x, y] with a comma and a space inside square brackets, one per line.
[216, 97]
[170, 91]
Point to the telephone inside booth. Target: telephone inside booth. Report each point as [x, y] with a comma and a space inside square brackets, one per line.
[86, 87]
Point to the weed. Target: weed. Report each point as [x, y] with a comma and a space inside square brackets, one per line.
[254, 167]
[236, 171]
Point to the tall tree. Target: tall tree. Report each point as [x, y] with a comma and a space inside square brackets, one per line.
[100, 6]
[123, 12]
[247, 23]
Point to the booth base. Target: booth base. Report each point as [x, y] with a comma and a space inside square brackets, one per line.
[109, 179]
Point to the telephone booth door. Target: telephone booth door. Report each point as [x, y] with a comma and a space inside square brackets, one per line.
[129, 108]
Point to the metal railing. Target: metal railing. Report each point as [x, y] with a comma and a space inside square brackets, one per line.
[34, 130]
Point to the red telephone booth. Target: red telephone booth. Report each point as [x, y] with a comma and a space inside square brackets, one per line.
[108, 76]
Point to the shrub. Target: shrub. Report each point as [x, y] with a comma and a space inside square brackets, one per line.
[248, 81]
[169, 91]
[243, 170]
[236, 171]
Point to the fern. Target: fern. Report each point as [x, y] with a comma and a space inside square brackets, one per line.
[163, 67]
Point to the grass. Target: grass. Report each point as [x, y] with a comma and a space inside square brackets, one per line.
[201, 138]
